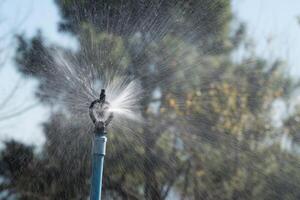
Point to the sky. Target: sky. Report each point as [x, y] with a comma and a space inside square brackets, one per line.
[271, 24]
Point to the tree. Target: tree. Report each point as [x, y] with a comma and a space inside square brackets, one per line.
[8, 109]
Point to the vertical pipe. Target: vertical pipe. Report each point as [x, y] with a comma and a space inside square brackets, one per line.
[99, 146]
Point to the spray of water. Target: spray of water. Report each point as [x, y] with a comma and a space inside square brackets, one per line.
[176, 64]
[74, 86]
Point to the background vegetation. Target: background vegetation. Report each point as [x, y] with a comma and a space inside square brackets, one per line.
[210, 133]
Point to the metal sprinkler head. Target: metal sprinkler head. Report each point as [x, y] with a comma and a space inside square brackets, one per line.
[99, 112]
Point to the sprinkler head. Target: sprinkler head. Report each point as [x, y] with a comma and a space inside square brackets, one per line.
[99, 112]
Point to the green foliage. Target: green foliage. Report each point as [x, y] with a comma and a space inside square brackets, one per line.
[291, 125]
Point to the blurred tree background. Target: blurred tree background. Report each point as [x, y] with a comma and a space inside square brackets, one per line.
[209, 131]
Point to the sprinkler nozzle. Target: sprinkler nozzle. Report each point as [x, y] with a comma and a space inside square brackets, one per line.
[99, 113]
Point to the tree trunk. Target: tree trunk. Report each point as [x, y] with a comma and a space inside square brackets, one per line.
[151, 188]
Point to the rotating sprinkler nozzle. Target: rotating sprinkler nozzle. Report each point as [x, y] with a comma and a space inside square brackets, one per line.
[101, 117]
[99, 113]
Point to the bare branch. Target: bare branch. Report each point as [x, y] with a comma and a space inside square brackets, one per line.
[12, 93]
[19, 112]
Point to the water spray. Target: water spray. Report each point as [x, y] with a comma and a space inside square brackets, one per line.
[101, 117]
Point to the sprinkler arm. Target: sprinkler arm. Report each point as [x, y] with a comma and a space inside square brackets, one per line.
[91, 110]
[99, 124]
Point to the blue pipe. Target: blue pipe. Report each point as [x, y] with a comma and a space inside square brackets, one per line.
[99, 146]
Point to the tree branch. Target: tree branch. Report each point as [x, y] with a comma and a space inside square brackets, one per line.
[20, 112]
